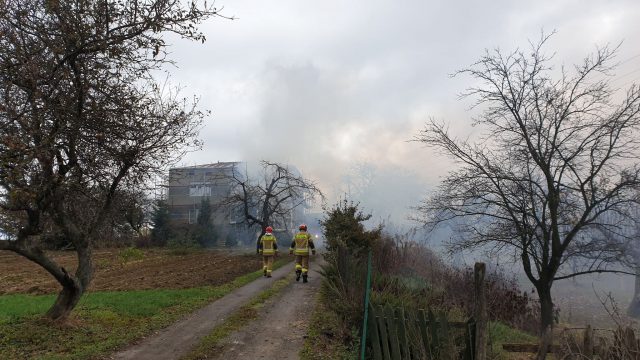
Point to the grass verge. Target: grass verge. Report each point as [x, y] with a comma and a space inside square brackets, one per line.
[329, 339]
[500, 333]
[213, 343]
[102, 322]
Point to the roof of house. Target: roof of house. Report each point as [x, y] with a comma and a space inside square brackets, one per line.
[218, 165]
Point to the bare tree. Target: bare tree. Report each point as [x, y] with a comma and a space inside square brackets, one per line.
[622, 234]
[556, 155]
[271, 198]
[81, 117]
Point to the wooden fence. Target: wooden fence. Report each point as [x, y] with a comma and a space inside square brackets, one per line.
[621, 344]
[398, 334]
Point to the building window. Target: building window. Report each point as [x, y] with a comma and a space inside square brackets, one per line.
[200, 190]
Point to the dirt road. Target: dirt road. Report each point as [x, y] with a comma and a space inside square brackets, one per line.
[280, 330]
[176, 340]
[278, 333]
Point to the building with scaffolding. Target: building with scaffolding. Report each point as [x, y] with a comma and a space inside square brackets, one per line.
[189, 186]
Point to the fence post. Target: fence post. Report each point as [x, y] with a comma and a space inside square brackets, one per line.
[587, 347]
[363, 342]
[375, 333]
[480, 312]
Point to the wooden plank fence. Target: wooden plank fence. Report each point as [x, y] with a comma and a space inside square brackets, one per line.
[398, 334]
[623, 344]
[401, 334]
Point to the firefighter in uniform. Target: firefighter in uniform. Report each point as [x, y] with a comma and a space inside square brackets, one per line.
[300, 246]
[268, 247]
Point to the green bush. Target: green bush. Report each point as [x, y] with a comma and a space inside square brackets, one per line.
[183, 236]
[344, 283]
[130, 254]
[343, 227]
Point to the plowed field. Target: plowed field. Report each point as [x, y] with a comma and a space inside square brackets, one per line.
[157, 269]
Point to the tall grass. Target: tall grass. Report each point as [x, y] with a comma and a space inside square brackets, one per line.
[406, 274]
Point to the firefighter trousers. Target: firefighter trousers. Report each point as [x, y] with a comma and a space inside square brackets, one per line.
[302, 263]
[267, 263]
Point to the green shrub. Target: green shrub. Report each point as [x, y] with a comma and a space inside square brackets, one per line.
[130, 254]
[343, 227]
[182, 243]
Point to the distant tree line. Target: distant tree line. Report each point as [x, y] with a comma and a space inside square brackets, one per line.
[164, 232]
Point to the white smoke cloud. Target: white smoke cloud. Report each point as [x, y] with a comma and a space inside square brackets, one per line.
[328, 85]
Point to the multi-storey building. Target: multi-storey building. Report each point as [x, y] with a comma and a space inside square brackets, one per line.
[188, 186]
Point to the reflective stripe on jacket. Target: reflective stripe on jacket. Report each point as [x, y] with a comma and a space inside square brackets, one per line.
[300, 244]
[268, 244]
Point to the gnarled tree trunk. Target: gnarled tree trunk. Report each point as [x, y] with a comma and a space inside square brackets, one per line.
[73, 286]
[67, 300]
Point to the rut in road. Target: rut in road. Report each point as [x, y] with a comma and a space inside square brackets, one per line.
[281, 327]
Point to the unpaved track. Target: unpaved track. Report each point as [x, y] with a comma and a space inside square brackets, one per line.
[281, 327]
[176, 340]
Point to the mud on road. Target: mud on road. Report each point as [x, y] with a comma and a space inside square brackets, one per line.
[157, 269]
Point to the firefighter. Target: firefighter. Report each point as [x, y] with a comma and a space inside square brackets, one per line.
[300, 246]
[268, 247]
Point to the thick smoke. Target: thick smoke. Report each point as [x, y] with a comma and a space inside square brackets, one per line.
[326, 86]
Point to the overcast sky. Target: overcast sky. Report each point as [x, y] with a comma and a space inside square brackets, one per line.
[337, 88]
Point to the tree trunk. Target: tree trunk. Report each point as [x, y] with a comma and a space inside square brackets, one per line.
[73, 287]
[67, 300]
[634, 307]
[262, 232]
[546, 321]
[480, 311]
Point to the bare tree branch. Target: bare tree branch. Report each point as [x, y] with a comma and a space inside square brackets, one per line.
[556, 157]
[272, 200]
[81, 118]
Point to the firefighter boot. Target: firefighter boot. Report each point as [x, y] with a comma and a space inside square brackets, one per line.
[264, 271]
[304, 278]
[268, 273]
[298, 273]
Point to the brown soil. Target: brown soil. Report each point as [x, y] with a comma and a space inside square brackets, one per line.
[158, 268]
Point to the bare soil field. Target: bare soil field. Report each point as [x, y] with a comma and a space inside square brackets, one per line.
[157, 269]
